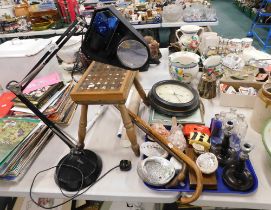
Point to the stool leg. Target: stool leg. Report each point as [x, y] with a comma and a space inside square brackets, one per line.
[82, 126]
[141, 91]
[130, 130]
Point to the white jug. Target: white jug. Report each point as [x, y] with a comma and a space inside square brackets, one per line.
[189, 40]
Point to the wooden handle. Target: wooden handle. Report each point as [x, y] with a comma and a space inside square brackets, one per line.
[174, 151]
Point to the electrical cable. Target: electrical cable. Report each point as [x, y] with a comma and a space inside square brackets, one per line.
[76, 66]
[77, 194]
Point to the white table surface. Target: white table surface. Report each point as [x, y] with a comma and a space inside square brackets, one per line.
[144, 26]
[127, 186]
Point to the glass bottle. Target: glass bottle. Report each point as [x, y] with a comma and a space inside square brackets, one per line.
[241, 126]
[216, 130]
[222, 117]
[235, 141]
[226, 154]
[231, 116]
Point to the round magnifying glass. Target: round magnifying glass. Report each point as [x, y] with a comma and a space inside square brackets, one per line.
[132, 54]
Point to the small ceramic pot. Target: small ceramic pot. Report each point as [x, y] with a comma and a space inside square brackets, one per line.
[235, 45]
[246, 43]
[213, 63]
[207, 163]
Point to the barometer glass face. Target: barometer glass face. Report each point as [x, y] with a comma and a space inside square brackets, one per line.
[174, 93]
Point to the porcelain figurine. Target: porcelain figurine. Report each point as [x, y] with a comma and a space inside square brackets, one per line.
[154, 49]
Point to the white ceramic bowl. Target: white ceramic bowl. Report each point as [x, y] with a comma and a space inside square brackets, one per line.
[212, 61]
[153, 149]
[183, 63]
[183, 58]
[156, 171]
[198, 148]
[207, 163]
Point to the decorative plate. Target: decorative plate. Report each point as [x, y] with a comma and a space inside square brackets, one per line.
[207, 163]
[234, 62]
[267, 137]
[153, 149]
[156, 171]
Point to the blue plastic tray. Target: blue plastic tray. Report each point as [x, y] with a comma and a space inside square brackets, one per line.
[221, 187]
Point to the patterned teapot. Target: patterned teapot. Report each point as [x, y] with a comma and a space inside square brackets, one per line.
[189, 40]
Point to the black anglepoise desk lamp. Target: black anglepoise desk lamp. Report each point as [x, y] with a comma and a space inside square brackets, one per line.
[109, 39]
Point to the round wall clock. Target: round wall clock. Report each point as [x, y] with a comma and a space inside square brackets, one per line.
[173, 98]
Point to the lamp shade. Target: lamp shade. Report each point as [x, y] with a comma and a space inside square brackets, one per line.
[111, 39]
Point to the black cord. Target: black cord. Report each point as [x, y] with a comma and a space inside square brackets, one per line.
[82, 180]
[77, 194]
[76, 66]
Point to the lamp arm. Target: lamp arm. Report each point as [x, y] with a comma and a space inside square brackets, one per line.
[18, 87]
[58, 41]
[52, 52]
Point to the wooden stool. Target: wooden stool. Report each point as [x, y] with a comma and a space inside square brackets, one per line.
[106, 84]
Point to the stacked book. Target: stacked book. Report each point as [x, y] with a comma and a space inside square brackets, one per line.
[21, 140]
[51, 98]
[22, 134]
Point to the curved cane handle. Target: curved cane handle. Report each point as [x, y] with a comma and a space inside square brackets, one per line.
[174, 151]
[192, 164]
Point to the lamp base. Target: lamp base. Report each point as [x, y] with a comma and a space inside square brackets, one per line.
[76, 167]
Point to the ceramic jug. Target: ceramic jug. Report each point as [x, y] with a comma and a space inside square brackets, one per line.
[189, 40]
